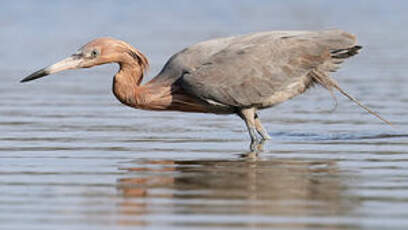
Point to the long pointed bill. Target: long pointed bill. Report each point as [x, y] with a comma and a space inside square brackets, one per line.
[72, 62]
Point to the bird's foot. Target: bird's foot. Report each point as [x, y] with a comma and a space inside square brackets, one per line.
[257, 146]
[252, 146]
[265, 136]
[263, 133]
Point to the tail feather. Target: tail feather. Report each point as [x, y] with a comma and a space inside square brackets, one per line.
[345, 53]
[330, 84]
[336, 86]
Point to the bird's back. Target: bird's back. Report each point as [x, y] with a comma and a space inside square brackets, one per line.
[202, 52]
[260, 69]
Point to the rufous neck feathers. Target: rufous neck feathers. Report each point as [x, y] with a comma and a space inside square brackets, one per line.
[132, 65]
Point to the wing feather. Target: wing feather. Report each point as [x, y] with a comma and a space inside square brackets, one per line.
[247, 70]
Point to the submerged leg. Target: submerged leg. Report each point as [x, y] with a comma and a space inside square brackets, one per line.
[248, 115]
[258, 125]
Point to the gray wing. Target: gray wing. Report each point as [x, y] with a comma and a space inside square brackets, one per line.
[245, 71]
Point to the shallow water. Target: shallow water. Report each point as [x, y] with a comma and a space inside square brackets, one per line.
[72, 157]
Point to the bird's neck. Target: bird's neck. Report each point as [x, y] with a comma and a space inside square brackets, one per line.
[126, 83]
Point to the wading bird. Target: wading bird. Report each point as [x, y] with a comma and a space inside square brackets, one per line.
[232, 75]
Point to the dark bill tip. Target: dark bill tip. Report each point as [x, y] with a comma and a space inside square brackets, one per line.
[39, 74]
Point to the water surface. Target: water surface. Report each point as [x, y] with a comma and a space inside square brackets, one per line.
[72, 157]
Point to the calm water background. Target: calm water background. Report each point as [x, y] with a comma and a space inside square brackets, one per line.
[72, 157]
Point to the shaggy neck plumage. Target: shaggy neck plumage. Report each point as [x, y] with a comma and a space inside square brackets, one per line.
[127, 82]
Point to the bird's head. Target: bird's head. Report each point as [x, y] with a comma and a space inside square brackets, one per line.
[96, 52]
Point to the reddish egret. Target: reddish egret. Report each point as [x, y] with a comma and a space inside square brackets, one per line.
[233, 75]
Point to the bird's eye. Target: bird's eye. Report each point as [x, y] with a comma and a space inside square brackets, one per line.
[94, 53]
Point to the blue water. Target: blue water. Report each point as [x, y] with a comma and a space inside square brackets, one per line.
[72, 157]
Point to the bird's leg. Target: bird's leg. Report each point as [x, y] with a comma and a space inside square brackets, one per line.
[258, 125]
[248, 115]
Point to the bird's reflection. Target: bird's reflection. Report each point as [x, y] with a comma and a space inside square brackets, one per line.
[250, 184]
